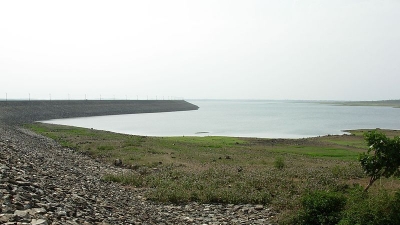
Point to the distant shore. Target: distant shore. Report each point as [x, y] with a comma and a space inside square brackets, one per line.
[382, 103]
[20, 112]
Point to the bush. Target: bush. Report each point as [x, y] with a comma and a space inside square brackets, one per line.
[320, 207]
[367, 209]
[279, 163]
[358, 207]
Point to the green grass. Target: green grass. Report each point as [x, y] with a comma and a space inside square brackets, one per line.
[225, 169]
[319, 152]
[197, 149]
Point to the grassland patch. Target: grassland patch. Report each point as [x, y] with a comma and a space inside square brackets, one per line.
[224, 169]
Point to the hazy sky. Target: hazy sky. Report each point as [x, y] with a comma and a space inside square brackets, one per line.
[218, 49]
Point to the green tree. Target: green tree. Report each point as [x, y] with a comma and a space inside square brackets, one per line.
[382, 157]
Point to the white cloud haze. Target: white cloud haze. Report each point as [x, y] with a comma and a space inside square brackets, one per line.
[230, 49]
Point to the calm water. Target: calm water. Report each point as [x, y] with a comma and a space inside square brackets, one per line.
[273, 119]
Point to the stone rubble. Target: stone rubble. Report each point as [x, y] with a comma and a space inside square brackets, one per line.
[42, 183]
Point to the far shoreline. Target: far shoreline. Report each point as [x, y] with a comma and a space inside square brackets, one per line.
[380, 103]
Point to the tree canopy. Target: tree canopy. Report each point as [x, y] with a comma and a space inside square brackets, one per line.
[382, 158]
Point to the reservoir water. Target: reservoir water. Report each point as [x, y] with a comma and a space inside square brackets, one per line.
[268, 119]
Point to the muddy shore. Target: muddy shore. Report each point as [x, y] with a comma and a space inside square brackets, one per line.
[44, 183]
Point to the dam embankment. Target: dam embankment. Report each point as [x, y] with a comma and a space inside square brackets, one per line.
[20, 112]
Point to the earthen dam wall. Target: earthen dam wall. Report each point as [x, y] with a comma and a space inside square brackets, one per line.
[20, 112]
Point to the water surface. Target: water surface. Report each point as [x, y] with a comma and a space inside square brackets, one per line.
[272, 119]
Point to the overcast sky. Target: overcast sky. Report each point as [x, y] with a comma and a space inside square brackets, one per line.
[217, 49]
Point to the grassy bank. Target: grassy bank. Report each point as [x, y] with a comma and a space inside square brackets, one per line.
[226, 169]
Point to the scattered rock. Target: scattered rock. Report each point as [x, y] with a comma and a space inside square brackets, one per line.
[22, 213]
[39, 222]
[118, 162]
[259, 207]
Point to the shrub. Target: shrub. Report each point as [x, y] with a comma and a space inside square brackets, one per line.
[367, 209]
[279, 163]
[320, 207]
